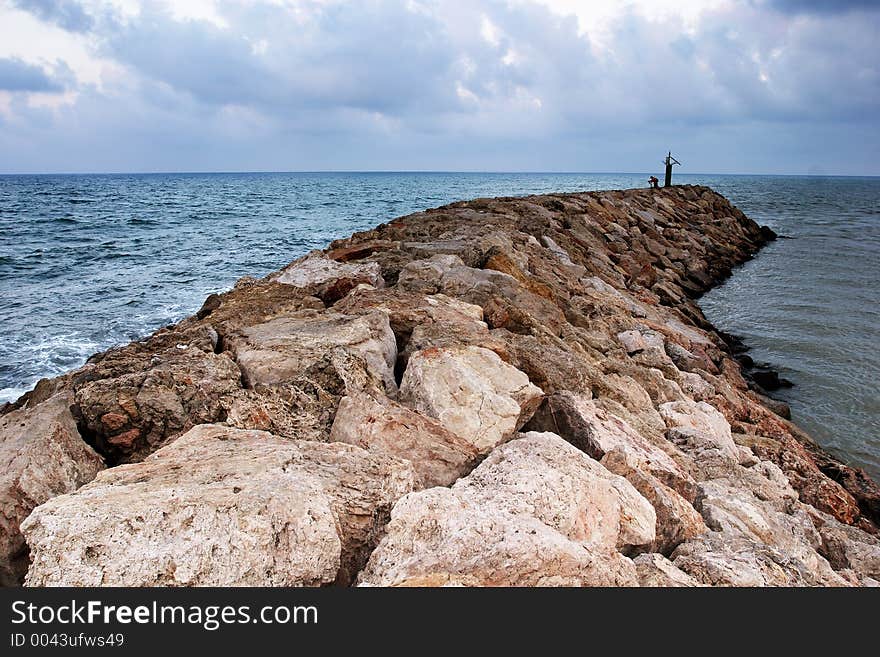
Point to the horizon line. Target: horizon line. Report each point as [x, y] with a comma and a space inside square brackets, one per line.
[426, 171]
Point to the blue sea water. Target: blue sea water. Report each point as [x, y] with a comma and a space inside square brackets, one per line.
[89, 261]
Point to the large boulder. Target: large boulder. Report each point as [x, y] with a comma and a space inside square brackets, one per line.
[638, 340]
[220, 507]
[627, 398]
[677, 519]
[549, 362]
[380, 425]
[699, 426]
[407, 310]
[610, 294]
[420, 320]
[41, 456]
[303, 407]
[129, 401]
[506, 301]
[699, 416]
[726, 561]
[535, 512]
[449, 275]
[595, 431]
[436, 538]
[696, 386]
[280, 350]
[541, 475]
[471, 391]
[655, 570]
[328, 279]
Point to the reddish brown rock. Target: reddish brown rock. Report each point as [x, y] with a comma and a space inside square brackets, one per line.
[407, 310]
[813, 487]
[131, 400]
[505, 302]
[359, 250]
[677, 520]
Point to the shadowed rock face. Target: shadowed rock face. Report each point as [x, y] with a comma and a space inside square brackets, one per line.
[132, 400]
[269, 438]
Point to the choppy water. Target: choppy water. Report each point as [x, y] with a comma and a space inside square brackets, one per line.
[89, 261]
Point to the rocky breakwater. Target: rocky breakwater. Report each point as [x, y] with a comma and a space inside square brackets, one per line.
[511, 391]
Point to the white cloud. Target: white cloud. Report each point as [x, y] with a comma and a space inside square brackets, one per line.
[489, 31]
[25, 36]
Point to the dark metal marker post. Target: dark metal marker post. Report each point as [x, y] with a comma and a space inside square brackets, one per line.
[669, 161]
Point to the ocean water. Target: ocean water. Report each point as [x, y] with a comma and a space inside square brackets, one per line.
[809, 304]
[90, 261]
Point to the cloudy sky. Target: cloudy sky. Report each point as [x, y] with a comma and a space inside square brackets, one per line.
[748, 86]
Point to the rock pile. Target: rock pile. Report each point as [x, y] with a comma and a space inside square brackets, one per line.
[511, 391]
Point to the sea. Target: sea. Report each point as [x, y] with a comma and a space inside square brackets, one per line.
[92, 261]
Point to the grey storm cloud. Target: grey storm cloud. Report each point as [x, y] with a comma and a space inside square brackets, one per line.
[16, 75]
[455, 84]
